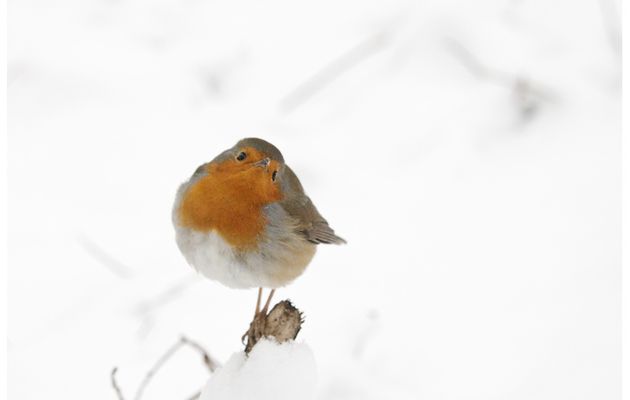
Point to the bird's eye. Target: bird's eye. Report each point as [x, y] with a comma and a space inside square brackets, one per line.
[273, 176]
[241, 156]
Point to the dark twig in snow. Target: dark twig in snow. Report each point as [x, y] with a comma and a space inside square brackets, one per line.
[115, 384]
[104, 257]
[333, 70]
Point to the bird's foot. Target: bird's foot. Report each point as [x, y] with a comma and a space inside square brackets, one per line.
[256, 330]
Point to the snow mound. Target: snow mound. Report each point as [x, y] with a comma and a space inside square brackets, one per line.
[272, 371]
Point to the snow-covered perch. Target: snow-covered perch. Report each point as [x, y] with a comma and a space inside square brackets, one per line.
[271, 371]
[273, 366]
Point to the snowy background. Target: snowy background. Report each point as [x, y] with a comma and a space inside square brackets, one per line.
[468, 151]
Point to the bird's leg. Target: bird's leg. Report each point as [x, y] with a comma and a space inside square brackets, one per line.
[254, 326]
[266, 307]
[257, 326]
[259, 323]
[258, 302]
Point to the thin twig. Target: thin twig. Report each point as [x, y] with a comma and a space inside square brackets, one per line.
[101, 255]
[115, 384]
[333, 70]
[209, 362]
[156, 367]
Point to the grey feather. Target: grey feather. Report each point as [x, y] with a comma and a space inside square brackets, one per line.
[296, 203]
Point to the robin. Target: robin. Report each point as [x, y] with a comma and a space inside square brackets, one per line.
[244, 220]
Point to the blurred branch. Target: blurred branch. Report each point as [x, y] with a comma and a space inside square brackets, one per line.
[146, 308]
[183, 341]
[527, 95]
[333, 70]
[195, 396]
[169, 294]
[473, 64]
[366, 334]
[104, 257]
[216, 76]
[115, 384]
[612, 24]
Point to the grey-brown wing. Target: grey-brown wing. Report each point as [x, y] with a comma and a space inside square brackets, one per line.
[299, 206]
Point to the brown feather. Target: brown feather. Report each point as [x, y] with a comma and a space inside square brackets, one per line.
[298, 205]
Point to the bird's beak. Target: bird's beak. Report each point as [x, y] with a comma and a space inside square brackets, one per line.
[264, 163]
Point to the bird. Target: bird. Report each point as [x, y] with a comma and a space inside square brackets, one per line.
[244, 220]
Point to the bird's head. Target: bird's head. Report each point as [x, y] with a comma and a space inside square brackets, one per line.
[252, 168]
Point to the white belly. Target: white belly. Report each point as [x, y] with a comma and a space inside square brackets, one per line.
[275, 264]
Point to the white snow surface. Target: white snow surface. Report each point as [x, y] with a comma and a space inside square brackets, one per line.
[483, 255]
[272, 371]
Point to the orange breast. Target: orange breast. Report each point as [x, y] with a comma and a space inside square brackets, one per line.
[229, 202]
